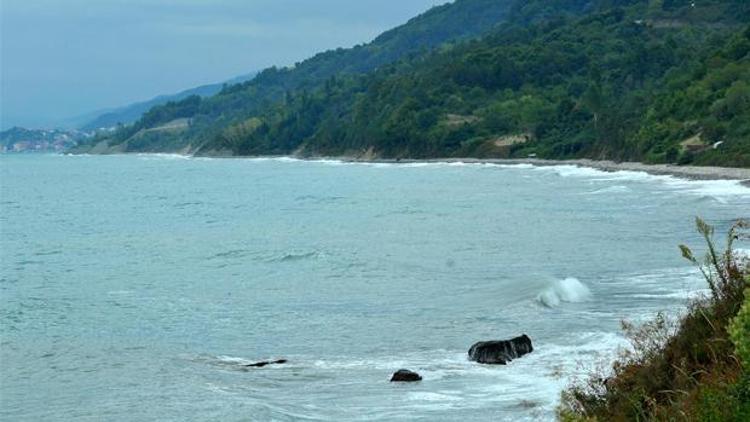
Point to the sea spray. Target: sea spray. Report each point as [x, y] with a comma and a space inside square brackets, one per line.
[569, 290]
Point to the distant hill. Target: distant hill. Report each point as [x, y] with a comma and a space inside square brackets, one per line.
[128, 114]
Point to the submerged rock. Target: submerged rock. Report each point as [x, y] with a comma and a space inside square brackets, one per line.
[500, 352]
[266, 363]
[405, 375]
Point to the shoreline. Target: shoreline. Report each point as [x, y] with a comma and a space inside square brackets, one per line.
[683, 172]
[741, 175]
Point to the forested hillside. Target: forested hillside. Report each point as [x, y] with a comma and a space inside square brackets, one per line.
[648, 80]
[462, 19]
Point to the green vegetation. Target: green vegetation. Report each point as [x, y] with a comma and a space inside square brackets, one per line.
[739, 331]
[453, 22]
[659, 81]
[696, 369]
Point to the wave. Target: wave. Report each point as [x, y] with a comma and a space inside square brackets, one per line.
[611, 190]
[715, 190]
[569, 290]
[298, 256]
[572, 170]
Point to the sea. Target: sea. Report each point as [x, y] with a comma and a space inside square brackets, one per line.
[138, 287]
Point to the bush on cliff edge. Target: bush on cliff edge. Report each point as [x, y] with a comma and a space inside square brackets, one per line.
[696, 368]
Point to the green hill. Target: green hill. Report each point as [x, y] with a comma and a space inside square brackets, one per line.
[648, 80]
[462, 19]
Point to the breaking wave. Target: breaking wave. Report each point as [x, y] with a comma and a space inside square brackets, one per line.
[569, 290]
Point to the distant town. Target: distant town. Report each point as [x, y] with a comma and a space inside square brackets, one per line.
[20, 140]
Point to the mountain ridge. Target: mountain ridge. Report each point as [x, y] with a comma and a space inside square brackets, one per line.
[128, 114]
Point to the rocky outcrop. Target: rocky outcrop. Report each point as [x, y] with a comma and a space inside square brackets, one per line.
[404, 375]
[500, 352]
[266, 363]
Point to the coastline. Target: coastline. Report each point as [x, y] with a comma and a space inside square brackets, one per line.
[682, 172]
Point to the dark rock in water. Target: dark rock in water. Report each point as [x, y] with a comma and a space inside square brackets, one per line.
[265, 363]
[404, 375]
[500, 352]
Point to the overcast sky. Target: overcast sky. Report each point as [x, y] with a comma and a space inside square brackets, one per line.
[63, 58]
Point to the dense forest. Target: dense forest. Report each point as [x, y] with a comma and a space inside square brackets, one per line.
[659, 81]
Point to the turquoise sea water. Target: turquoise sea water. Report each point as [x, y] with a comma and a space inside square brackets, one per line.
[135, 287]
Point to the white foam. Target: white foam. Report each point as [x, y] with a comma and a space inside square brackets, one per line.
[569, 290]
[532, 382]
[715, 189]
[718, 190]
[539, 377]
[571, 171]
[162, 156]
[520, 166]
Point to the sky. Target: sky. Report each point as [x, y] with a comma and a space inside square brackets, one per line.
[66, 58]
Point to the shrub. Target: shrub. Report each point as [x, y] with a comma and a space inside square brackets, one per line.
[739, 332]
[685, 369]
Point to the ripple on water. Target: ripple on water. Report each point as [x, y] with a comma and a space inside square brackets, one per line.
[138, 308]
